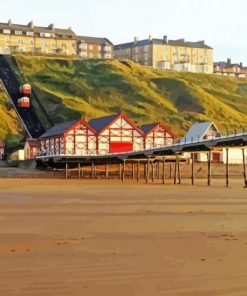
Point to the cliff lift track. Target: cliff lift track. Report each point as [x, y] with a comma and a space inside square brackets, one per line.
[28, 116]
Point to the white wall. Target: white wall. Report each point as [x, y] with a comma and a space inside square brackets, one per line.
[235, 156]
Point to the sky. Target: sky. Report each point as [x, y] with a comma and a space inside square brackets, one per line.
[221, 23]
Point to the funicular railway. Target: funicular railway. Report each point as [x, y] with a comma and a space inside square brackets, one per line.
[28, 116]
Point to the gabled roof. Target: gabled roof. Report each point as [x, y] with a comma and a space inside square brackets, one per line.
[198, 130]
[178, 42]
[66, 33]
[148, 127]
[100, 123]
[94, 40]
[58, 129]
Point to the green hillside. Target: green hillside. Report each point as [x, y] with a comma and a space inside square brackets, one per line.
[10, 129]
[71, 88]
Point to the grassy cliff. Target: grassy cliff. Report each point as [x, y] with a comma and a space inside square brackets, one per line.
[10, 129]
[71, 88]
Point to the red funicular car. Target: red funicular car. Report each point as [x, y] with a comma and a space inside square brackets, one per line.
[23, 102]
[26, 89]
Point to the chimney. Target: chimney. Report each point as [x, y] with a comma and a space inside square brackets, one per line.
[51, 27]
[150, 37]
[9, 22]
[135, 40]
[241, 65]
[229, 61]
[165, 39]
[30, 24]
[70, 28]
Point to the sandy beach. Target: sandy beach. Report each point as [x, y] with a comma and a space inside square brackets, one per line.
[81, 237]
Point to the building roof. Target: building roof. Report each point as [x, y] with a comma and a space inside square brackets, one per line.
[100, 123]
[58, 129]
[58, 32]
[148, 127]
[94, 40]
[198, 130]
[178, 42]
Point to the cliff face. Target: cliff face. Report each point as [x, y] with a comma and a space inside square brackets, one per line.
[71, 88]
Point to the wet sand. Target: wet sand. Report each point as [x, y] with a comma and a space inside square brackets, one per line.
[107, 238]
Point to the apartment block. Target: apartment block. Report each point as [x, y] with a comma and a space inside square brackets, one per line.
[93, 47]
[30, 38]
[179, 55]
[51, 40]
[230, 69]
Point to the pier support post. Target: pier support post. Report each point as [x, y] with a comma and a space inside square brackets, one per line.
[179, 172]
[123, 172]
[164, 170]
[66, 171]
[227, 167]
[79, 171]
[175, 170]
[244, 169]
[106, 171]
[209, 167]
[192, 168]
[152, 166]
[147, 170]
[138, 171]
[92, 170]
[120, 171]
[133, 170]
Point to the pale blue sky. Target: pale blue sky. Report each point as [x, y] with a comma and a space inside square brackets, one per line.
[221, 23]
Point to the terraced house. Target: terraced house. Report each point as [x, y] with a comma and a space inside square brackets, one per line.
[51, 40]
[30, 38]
[179, 55]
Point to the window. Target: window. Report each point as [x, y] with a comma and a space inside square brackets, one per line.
[83, 54]
[64, 46]
[20, 42]
[90, 47]
[99, 56]
[31, 43]
[5, 31]
[99, 47]
[28, 33]
[7, 41]
[90, 55]
[18, 32]
[42, 43]
[42, 34]
[53, 44]
[146, 47]
[83, 46]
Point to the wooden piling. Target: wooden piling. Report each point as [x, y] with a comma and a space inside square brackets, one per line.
[133, 171]
[123, 172]
[164, 170]
[209, 167]
[179, 172]
[175, 171]
[152, 165]
[147, 171]
[120, 171]
[244, 169]
[66, 171]
[106, 171]
[79, 171]
[92, 170]
[138, 171]
[227, 167]
[192, 168]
